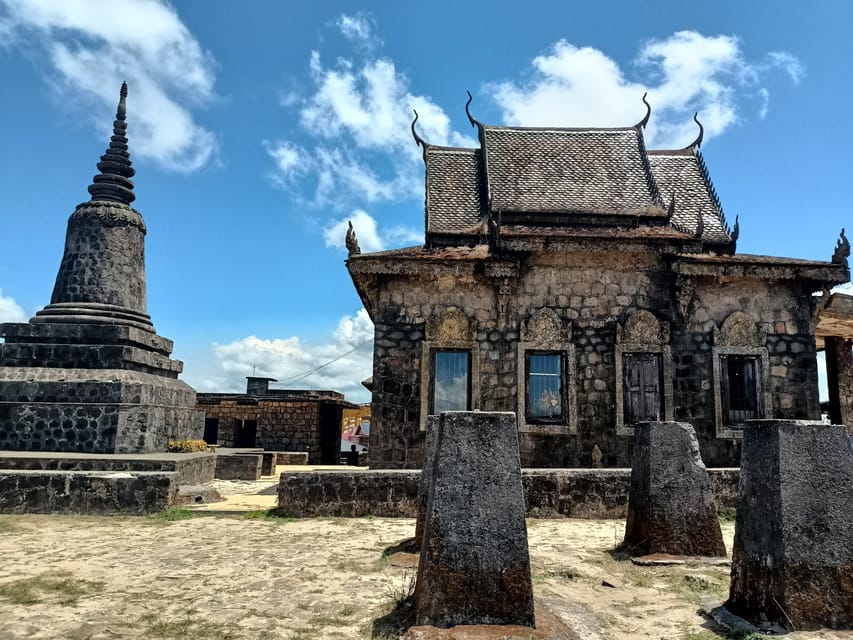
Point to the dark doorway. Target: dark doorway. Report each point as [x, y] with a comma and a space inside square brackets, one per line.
[642, 387]
[211, 430]
[245, 433]
[330, 434]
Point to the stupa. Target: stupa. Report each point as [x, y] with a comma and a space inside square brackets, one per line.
[89, 373]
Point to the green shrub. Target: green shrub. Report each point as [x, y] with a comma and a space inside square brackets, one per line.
[187, 446]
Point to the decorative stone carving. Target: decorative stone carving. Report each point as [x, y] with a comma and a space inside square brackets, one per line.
[739, 330]
[596, 456]
[684, 289]
[842, 251]
[451, 325]
[545, 326]
[351, 241]
[108, 215]
[642, 327]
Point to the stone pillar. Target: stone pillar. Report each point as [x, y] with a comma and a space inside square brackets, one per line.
[475, 564]
[839, 377]
[671, 508]
[792, 561]
[426, 476]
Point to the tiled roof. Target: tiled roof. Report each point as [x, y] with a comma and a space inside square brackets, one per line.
[598, 171]
[680, 173]
[453, 190]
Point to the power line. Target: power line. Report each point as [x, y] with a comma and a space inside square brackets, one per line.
[325, 364]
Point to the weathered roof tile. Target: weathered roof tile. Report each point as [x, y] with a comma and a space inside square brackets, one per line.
[453, 190]
[681, 174]
[597, 171]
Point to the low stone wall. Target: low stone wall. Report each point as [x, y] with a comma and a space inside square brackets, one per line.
[292, 457]
[85, 492]
[549, 493]
[244, 466]
[189, 468]
[268, 462]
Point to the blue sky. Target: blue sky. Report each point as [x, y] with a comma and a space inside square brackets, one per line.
[257, 129]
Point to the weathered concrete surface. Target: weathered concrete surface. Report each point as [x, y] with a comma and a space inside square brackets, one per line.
[430, 442]
[475, 563]
[671, 507]
[239, 466]
[268, 461]
[792, 561]
[188, 468]
[549, 493]
[85, 493]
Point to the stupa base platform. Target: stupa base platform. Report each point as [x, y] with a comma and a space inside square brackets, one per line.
[94, 410]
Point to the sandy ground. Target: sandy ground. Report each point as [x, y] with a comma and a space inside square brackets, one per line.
[230, 577]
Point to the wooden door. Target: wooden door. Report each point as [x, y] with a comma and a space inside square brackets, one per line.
[642, 387]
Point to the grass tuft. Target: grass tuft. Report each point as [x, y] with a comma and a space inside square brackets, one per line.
[173, 514]
[61, 588]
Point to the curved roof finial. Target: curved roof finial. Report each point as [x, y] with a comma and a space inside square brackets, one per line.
[351, 242]
[736, 229]
[113, 182]
[642, 123]
[474, 122]
[418, 140]
[698, 141]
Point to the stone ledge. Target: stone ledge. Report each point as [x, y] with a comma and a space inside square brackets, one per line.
[549, 493]
[85, 493]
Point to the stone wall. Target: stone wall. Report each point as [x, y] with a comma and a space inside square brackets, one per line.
[187, 468]
[85, 493]
[590, 295]
[243, 466]
[549, 493]
[282, 426]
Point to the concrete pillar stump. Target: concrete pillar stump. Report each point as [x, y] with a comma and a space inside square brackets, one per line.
[792, 561]
[671, 508]
[475, 565]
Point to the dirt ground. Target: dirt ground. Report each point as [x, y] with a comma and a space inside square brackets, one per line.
[253, 577]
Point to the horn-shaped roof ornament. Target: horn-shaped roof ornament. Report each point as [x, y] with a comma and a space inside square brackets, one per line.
[642, 123]
[474, 122]
[418, 140]
[698, 141]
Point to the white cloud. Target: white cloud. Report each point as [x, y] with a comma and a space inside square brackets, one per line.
[357, 115]
[340, 364]
[11, 311]
[683, 73]
[367, 233]
[359, 28]
[92, 46]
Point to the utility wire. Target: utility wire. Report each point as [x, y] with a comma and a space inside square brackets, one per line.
[325, 364]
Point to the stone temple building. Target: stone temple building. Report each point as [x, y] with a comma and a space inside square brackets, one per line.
[585, 282]
[89, 373]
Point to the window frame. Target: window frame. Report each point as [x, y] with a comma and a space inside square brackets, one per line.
[564, 398]
[724, 428]
[432, 363]
[426, 370]
[569, 421]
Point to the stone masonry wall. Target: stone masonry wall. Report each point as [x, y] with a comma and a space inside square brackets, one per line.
[282, 426]
[548, 493]
[591, 292]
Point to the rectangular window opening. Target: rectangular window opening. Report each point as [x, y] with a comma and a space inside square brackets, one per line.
[740, 389]
[545, 388]
[451, 381]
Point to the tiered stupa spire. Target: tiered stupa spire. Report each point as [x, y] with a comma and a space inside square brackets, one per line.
[113, 183]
